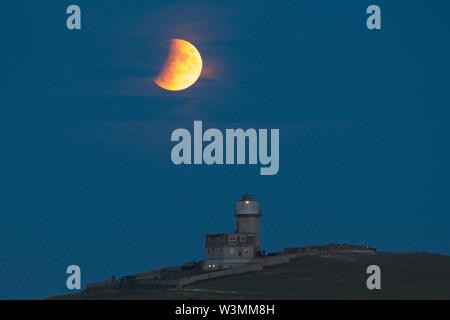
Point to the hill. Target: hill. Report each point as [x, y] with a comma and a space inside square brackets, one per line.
[330, 276]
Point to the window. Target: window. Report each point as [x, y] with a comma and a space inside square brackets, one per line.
[232, 238]
[232, 251]
[242, 238]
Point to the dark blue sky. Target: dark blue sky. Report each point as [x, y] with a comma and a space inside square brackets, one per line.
[85, 170]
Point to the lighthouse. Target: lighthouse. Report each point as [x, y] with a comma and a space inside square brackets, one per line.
[247, 218]
[230, 250]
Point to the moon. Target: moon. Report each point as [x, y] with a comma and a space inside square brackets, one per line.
[182, 67]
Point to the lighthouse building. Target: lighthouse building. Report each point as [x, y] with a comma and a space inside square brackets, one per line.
[227, 250]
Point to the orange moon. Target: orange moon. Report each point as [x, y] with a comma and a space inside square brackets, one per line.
[182, 67]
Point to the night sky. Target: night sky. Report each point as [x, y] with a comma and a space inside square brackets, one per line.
[86, 176]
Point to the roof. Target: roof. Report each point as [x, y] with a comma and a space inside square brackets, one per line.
[216, 235]
[247, 197]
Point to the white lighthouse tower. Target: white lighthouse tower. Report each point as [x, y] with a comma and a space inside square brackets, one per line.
[230, 250]
[247, 218]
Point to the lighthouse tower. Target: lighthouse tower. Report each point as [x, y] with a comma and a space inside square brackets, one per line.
[247, 218]
[230, 250]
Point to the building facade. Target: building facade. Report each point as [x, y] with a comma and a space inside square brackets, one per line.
[228, 250]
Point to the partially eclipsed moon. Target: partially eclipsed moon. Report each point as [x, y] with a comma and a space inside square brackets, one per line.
[182, 67]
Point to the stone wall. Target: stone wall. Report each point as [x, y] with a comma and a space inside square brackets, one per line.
[217, 274]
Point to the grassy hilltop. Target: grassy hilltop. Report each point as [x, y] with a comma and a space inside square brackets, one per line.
[336, 276]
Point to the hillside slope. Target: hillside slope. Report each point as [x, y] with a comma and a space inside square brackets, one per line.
[339, 276]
